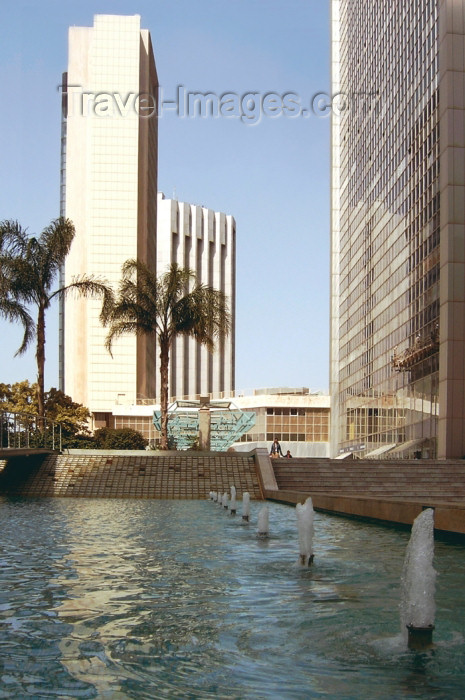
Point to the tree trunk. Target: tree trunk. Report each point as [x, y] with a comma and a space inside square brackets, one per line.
[164, 363]
[40, 358]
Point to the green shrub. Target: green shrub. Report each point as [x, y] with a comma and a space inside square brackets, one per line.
[79, 442]
[119, 439]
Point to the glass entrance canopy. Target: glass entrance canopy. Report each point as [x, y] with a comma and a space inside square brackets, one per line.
[227, 423]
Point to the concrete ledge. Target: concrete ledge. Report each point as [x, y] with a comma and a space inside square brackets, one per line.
[9, 452]
[265, 470]
[149, 453]
[449, 517]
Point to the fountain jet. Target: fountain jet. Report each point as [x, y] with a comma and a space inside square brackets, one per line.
[263, 522]
[417, 608]
[304, 513]
[246, 506]
[232, 503]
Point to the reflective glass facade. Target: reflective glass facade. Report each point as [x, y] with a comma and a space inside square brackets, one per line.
[394, 354]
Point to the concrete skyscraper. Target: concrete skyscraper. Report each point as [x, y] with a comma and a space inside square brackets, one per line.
[109, 191]
[204, 241]
[398, 240]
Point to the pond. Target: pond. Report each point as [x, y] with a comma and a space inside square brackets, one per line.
[181, 599]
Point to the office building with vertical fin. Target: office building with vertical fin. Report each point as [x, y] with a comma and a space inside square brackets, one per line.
[204, 241]
[397, 219]
[109, 191]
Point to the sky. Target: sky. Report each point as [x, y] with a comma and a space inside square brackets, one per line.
[266, 161]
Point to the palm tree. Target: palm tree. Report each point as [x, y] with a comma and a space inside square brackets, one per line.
[29, 267]
[164, 307]
[10, 307]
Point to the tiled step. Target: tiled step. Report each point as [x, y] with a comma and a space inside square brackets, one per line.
[189, 475]
[415, 479]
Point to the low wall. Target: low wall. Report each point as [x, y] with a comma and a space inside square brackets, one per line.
[448, 517]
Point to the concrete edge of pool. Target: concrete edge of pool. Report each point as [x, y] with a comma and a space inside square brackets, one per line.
[448, 517]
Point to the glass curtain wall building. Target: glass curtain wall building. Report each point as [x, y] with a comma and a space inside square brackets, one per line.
[397, 256]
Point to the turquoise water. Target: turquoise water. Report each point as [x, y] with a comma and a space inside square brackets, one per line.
[179, 599]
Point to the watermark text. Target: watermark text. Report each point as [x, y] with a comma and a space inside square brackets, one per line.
[249, 107]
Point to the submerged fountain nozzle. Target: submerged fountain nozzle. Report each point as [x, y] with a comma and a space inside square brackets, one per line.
[420, 637]
[306, 560]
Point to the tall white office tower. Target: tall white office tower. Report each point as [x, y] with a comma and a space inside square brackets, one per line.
[398, 241]
[204, 241]
[109, 191]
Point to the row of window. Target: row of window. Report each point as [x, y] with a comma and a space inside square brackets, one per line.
[280, 411]
[286, 436]
[318, 433]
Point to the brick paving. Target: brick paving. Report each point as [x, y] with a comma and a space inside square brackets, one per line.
[186, 475]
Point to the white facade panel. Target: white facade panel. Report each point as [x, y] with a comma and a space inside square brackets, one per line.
[204, 241]
[111, 199]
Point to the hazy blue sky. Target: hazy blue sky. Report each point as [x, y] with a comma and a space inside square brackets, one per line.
[272, 176]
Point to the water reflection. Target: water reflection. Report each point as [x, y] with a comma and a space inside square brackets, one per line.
[101, 584]
[134, 599]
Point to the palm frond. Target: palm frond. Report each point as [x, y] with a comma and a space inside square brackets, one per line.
[13, 311]
[173, 285]
[108, 303]
[55, 241]
[140, 280]
[21, 277]
[13, 238]
[86, 286]
[204, 315]
[119, 328]
[135, 308]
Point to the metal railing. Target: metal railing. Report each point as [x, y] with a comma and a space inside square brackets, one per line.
[28, 431]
